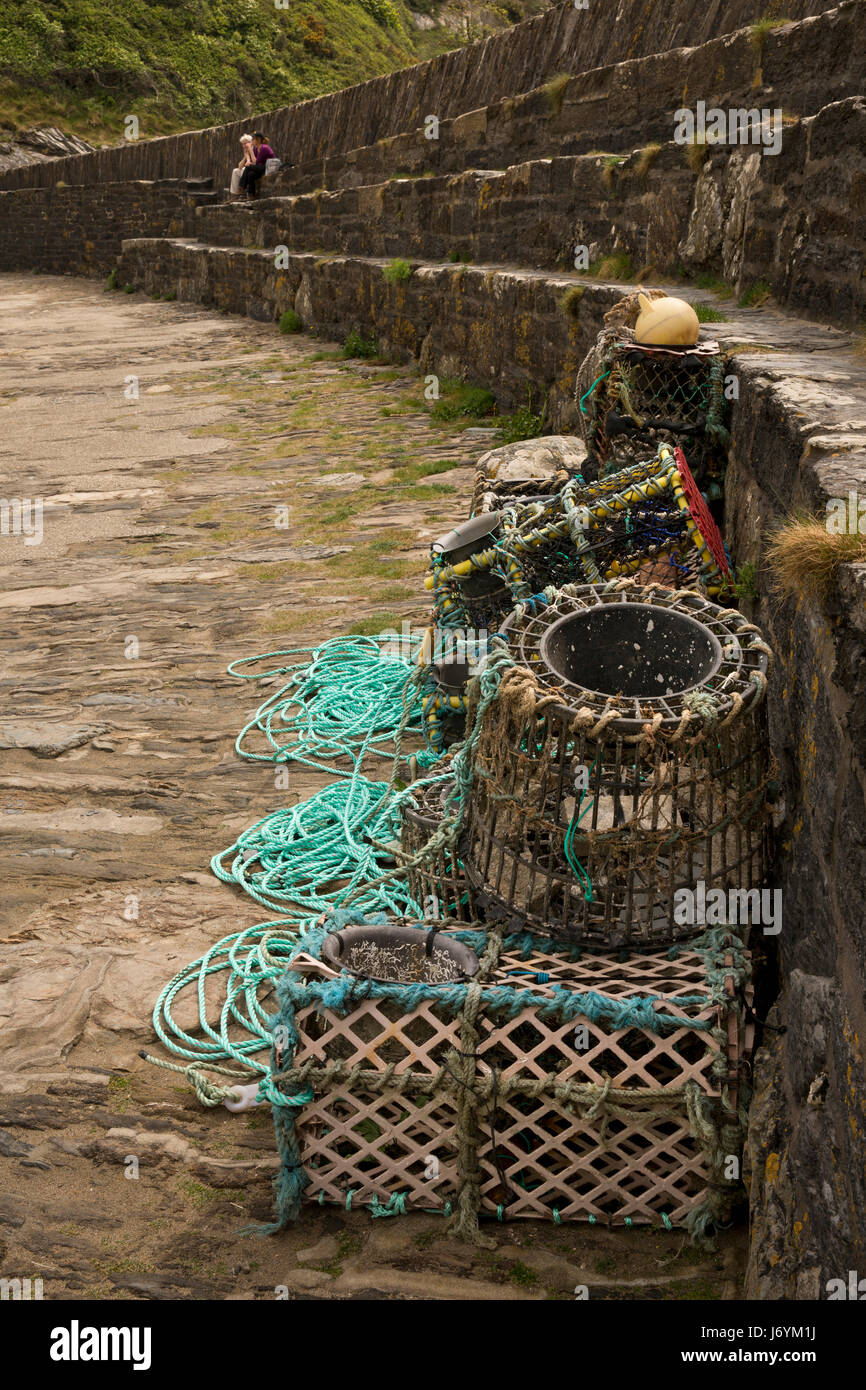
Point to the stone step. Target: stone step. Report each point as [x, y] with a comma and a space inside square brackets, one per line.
[798, 68]
[788, 223]
[473, 93]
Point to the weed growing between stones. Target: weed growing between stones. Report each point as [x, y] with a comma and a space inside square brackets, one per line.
[647, 158]
[358, 346]
[611, 166]
[707, 313]
[290, 322]
[554, 90]
[570, 301]
[713, 283]
[523, 424]
[697, 153]
[755, 295]
[616, 267]
[457, 399]
[397, 271]
[805, 558]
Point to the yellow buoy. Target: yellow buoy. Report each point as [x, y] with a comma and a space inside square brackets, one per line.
[666, 322]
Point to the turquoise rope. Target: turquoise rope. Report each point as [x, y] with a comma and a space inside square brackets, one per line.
[349, 696]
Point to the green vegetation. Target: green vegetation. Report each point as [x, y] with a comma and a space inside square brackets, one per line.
[358, 346]
[805, 558]
[759, 30]
[755, 295]
[521, 1275]
[570, 301]
[111, 282]
[397, 271]
[697, 153]
[554, 90]
[290, 322]
[707, 281]
[745, 581]
[707, 313]
[611, 166]
[647, 158]
[86, 65]
[616, 267]
[371, 627]
[523, 424]
[459, 399]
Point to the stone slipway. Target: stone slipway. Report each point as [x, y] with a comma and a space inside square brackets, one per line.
[118, 777]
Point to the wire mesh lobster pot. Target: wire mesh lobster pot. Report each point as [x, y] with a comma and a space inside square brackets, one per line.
[623, 762]
[649, 395]
[438, 885]
[545, 1087]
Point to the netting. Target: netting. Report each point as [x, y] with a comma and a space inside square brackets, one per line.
[644, 396]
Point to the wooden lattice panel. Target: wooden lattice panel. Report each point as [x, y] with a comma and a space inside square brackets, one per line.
[376, 1035]
[378, 1145]
[547, 1161]
[630, 1057]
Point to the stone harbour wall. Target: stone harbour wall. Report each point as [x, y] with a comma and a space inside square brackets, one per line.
[795, 222]
[562, 40]
[800, 438]
[78, 230]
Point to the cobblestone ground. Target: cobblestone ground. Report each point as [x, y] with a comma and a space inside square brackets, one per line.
[118, 776]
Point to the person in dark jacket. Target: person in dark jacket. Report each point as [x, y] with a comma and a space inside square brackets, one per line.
[253, 172]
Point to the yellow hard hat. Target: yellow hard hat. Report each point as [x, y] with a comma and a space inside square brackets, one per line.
[666, 322]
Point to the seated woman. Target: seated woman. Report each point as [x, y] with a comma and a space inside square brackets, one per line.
[247, 157]
[253, 172]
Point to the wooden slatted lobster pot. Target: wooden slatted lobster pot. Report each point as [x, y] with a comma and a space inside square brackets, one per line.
[552, 1084]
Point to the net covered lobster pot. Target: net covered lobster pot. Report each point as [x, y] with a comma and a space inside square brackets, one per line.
[647, 395]
[623, 762]
[543, 1086]
[651, 520]
[437, 883]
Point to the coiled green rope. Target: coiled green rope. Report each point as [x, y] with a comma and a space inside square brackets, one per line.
[348, 696]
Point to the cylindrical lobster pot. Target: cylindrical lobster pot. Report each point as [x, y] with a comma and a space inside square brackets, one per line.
[438, 885]
[444, 703]
[467, 591]
[621, 773]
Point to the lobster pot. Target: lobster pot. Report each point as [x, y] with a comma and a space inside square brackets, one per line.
[363, 1142]
[438, 885]
[649, 520]
[586, 1089]
[537, 540]
[444, 702]
[623, 764]
[469, 585]
[651, 395]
